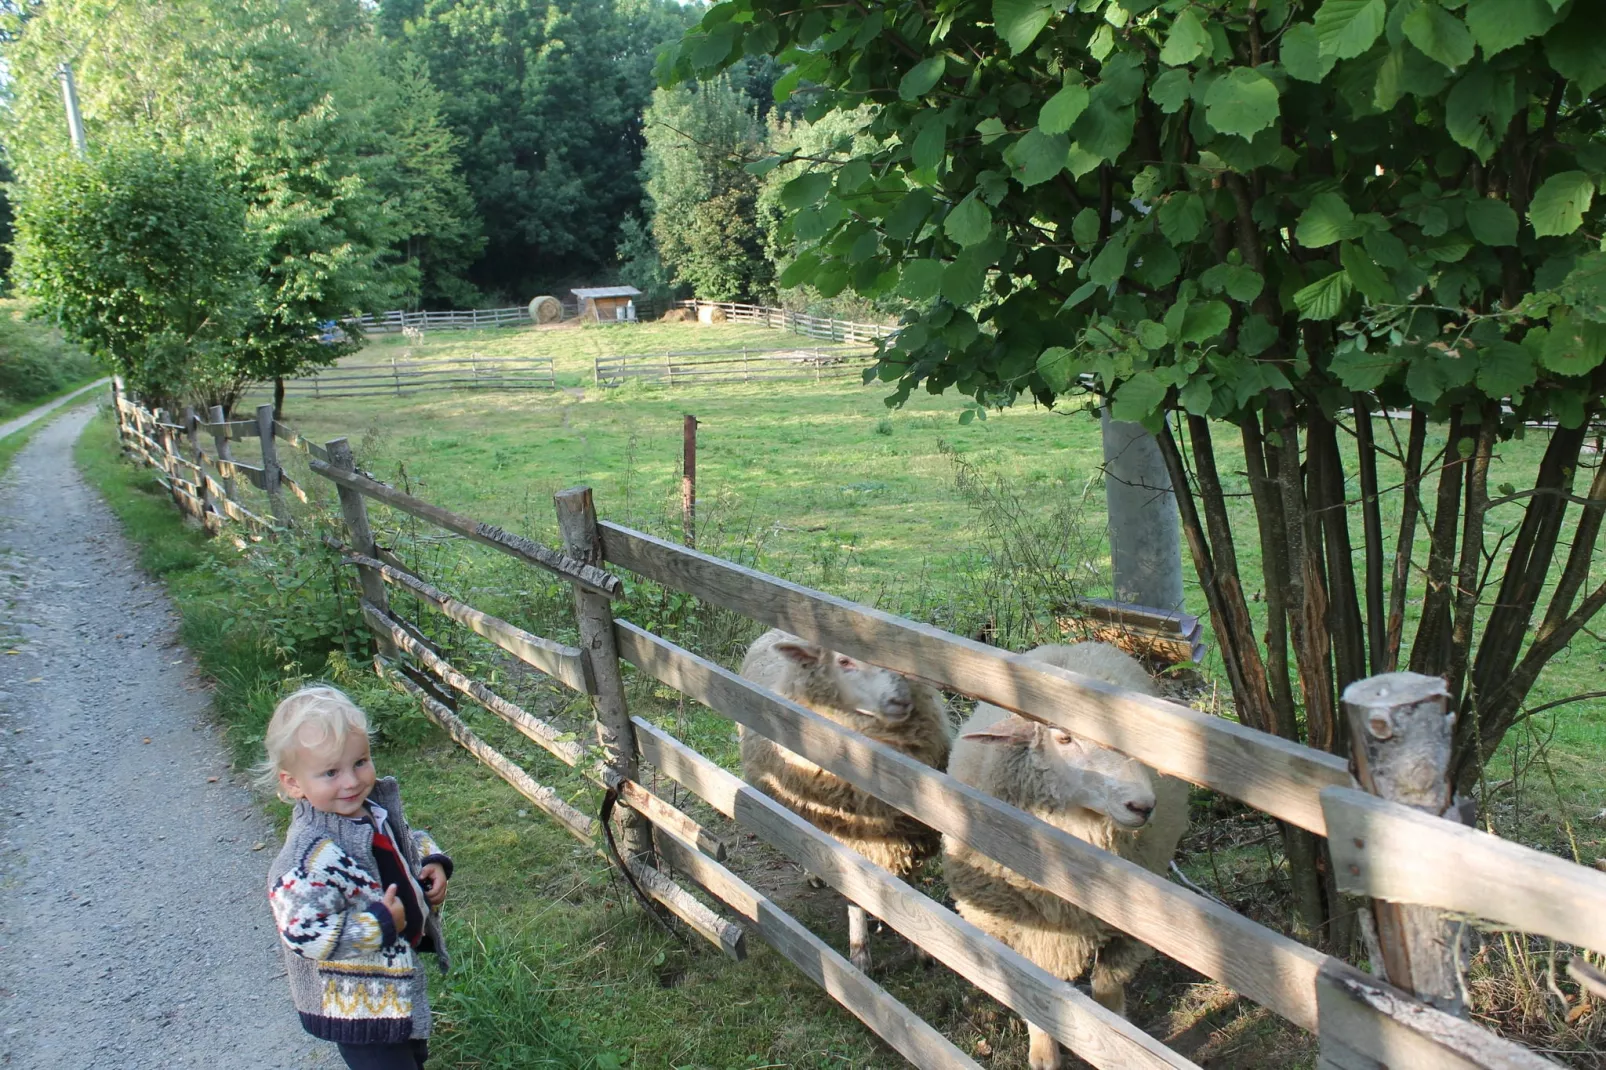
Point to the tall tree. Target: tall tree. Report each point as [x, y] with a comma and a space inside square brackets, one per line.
[546, 97]
[1256, 224]
[702, 197]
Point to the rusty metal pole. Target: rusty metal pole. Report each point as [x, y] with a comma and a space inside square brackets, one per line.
[688, 481]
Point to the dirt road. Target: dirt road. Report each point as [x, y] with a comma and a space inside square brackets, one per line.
[134, 930]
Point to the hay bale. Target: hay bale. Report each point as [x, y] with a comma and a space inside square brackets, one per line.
[546, 309]
[675, 315]
[710, 314]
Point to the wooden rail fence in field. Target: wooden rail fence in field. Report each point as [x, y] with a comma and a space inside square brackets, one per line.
[708, 367]
[406, 375]
[1417, 866]
[395, 321]
[825, 328]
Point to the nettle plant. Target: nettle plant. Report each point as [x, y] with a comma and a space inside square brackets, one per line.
[1255, 225]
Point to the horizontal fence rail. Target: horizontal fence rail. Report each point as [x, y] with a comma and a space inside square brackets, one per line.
[465, 319]
[823, 327]
[730, 366]
[404, 376]
[1380, 849]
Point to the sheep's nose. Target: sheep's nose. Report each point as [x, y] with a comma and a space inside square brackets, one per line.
[898, 706]
[1142, 810]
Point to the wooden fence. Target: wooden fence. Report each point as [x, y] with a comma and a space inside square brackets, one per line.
[403, 375]
[1420, 869]
[731, 366]
[823, 327]
[395, 321]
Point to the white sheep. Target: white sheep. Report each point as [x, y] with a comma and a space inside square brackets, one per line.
[889, 708]
[1096, 794]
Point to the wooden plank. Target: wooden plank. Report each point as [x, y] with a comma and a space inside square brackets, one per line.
[530, 726]
[564, 663]
[1381, 1023]
[906, 1032]
[663, 815]
[1098, 1035]
[590, 577]
[231, 429]
[296, 440]
[1272, 775]
[1389, 851]
[550, 803]
[1268, 967]
[725, 935]
[235, 469]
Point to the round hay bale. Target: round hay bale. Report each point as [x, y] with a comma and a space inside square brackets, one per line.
[546, 309]
[710, 314]
[675, 315]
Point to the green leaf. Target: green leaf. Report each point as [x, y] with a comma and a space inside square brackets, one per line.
[1424, 379]
[904, 221]
[1439, 34]
[1171, 90]
[1346, 28]
[1585, 287]
[1479, 109]
[1244, 103]
[1105, 128]
[1574, 346]
[970, 222]
[930, 147]
[1085, 227]
[1078, 295]
[1559, 204]
[764, 166]
[1138, 398]
[1037, 157]
[1182, 217]
[1152, 335]
[1204, 320]
[1504, 368]
[920, 281]
[1361, 370]
[1063, 109]
[1385, 248]
[1501, 24]
[1196, 397]
[805, 190]
[1492, 222]
[1255, 335]
[963, 279]
[1324, 298]
[1020, 21]
[799, 270]
[712, 50]
[991, 129]
[1079, 161]
[1324, 221]
[1187, 40]
[1110, 264]
[921, 77]
[1577, 49]
[1244, 284]
[1058, 368]
[1364, 273]
[1301, 53]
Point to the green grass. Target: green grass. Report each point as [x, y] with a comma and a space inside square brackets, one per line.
[36, 364]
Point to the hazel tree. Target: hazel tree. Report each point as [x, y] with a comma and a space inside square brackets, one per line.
[1335, 236]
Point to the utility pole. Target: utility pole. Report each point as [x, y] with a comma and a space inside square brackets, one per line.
[1145, 548]
[75, 121]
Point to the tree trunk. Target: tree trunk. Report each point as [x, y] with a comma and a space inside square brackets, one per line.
[278, 398]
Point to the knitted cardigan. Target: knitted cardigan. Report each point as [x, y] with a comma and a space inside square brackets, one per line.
[354, 980]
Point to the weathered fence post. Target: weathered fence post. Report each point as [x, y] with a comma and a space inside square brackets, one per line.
[688, 481]
[220, 439]
[271, 472]
[355, 511]
[1400, 732]
[192, 431]
[117, 409]
[577, 521]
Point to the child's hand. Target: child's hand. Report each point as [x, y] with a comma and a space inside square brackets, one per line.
[433, 878]
[398, 912]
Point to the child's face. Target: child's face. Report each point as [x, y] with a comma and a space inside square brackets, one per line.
[334, 780]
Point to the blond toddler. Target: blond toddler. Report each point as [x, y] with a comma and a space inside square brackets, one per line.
[355, 892]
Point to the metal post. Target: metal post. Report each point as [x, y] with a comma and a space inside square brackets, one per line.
[688, 481]
[75, 119]
[1145, 545]
[1401, 728]
[577, 520]
[355, 510]
[271, 472]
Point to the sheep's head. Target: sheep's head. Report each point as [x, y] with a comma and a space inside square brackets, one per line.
[1082, 773]
[851, 684]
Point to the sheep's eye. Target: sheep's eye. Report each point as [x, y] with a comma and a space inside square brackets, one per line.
[846, 662]
[1064, 738]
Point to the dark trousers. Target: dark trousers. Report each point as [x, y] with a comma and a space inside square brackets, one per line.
[408, 1055]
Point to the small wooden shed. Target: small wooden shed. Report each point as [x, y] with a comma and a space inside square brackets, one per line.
[607, 304]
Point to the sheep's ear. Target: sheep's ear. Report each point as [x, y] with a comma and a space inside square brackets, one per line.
[1010, 730]
[805, 654]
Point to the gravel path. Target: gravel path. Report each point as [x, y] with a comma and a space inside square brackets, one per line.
[134, 930]
[42, 411]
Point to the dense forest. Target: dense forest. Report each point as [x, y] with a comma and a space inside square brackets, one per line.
[442, 153]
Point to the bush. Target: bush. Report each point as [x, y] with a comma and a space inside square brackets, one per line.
[35, 361]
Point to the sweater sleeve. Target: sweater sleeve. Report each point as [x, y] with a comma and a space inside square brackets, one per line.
[430, 851]
[328, 907]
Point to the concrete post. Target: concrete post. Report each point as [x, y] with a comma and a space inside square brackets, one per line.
[1145, 542]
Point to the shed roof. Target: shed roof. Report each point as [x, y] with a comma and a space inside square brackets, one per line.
[606, 291]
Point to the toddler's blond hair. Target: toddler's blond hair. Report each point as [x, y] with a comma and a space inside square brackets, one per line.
[318, 717]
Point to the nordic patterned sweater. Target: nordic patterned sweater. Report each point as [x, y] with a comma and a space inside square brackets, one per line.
[353, 978]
